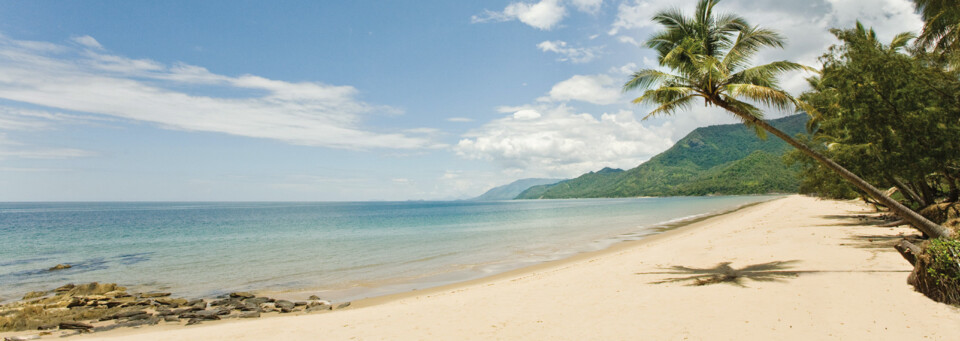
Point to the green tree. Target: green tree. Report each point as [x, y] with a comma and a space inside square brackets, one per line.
[888, 114]
[710, 57]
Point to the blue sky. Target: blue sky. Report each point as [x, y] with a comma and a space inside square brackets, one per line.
[345, 100]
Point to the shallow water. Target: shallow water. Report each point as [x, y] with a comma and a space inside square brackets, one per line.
[353, 249]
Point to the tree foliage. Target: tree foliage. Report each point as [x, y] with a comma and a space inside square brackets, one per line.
[886, 113]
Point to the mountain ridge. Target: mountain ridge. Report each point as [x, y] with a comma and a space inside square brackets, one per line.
[720, 159]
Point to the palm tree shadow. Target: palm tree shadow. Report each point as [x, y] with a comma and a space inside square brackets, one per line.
[724, 273]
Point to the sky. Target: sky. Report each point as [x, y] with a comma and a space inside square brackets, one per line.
[348, 100]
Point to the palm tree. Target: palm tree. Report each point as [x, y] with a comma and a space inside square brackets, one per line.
[941, 28]
[710, 57]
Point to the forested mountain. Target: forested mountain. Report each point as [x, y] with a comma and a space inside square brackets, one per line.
[724, 159]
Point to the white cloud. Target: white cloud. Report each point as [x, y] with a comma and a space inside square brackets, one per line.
[460, 119]
[629, 40]
[588, 6]
[306, 113]
[526, 115]
[32, 120]
[626, 69]
[596, 89]
[572, 54]
[559, 142]
[12, 149]
[543, 15]
[87, 41]
[637, 14]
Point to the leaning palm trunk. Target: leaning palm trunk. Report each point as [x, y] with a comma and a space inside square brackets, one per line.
[913, 218]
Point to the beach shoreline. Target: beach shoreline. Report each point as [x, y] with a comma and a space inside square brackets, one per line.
[419, 287]
[820, 272]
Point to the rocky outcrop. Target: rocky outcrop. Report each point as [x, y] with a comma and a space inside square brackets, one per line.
[96, 307]
[60, 267]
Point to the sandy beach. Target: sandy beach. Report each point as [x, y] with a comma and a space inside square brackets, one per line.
[809, 269]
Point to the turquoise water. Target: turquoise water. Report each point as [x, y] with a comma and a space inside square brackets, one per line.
[347, 250]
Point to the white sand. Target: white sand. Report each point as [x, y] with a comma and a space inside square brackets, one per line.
[851, 286]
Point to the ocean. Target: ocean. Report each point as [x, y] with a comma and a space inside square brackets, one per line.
[340, 250]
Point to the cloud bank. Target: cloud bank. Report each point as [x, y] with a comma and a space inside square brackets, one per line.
[556, 141]
[83, 78]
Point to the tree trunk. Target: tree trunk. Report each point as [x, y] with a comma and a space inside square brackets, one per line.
[926, 191]
[923, 224]
[954, 194]
[908, 250]
[907, 192]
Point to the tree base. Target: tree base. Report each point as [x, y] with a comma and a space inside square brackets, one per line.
[936, 272]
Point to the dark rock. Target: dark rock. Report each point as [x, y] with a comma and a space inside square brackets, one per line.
[173, 302]
[231, 316]
[60, 267]
[241, 294]
[186, 310]
[250, 314]
[204, 314]
[227, 302]
[300, 303]
[259, 300]
[171, 318]
[249, 306]
[284, 304]
[121, 301]
[314, 298]
[319, 307]
[129, 313]
[65, 288]
[154, 294]
[75, 325]
[143, 316]
[47, 326]
[194, 321]
[135, 323]
[106, 328]
[343, 305]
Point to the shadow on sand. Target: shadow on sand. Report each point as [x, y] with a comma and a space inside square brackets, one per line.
[724, 273]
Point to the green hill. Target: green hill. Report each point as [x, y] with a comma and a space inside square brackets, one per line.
[724, 159]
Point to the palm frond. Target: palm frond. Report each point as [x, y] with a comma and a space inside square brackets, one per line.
[669, 107]
[766, 74]
[771, 97]
[748, 42]
[901, 40]
[646, 78]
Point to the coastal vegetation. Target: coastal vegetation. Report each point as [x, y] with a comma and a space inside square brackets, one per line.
[710, 56]
[891, 115]
[891, 111]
